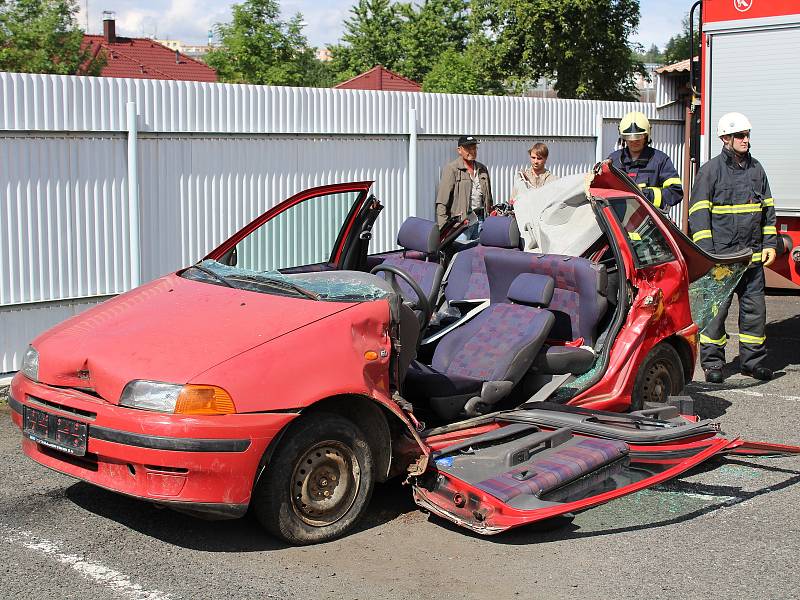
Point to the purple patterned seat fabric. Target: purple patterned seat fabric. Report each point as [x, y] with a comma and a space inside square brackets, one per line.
[560, 466]
[468, 279]
[499, 344]
[579, 300]
[420, 237]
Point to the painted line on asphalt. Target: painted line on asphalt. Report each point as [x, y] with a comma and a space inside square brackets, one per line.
[118, 582]
[704, 387]
[764, 394]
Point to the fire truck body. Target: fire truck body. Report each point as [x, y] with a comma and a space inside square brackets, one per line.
[749, 65]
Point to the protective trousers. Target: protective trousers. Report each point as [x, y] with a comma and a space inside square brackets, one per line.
[752, 321]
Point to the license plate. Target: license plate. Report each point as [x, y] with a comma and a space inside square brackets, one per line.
[59, 433]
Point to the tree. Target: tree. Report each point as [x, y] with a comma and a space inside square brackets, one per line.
[580, 44]
[428, 31]
[371, 37]
[42, 36]
[259, 47]
[460, 73]
[677, 48]
[653, 55]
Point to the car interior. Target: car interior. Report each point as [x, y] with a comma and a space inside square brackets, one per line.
[498, 327]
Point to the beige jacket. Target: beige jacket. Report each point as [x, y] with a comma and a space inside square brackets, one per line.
[526, 179]
[455, 188]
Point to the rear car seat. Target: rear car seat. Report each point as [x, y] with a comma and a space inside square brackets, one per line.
[467, 279]
[578, 304]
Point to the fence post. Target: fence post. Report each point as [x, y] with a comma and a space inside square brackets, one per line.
[412, 162]
[598, 129]
[133, 194]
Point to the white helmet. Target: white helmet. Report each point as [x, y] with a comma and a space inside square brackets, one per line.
[732, 122]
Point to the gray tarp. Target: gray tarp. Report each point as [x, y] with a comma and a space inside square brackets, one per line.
[558, 218]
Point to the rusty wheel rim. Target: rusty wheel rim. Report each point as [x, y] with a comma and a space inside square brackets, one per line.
[658, 383]
[325, 482]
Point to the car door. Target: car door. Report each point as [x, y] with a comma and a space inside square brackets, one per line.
[550, 460]
[314, 230]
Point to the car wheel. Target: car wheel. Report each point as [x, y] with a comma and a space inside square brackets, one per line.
[319, 481]
[660, 376]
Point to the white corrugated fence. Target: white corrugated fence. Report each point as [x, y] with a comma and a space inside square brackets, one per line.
[211, 157]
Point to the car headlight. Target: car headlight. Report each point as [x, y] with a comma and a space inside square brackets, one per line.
[179, 399]
[30, 364]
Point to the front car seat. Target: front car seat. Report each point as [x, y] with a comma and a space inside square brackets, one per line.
[479, 363]
[419, 237]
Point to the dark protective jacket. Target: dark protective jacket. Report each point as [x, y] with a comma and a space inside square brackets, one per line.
[654, 172]
[731, 207]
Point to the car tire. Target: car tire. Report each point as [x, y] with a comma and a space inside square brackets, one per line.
[660, 376]
[319, 481]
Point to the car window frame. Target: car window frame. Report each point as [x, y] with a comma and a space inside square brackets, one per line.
[362, 187]
[675, 253]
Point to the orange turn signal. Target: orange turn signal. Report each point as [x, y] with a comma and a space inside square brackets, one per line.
[204, 400]
[371, 355]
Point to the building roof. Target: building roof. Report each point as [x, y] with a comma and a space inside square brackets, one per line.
[678, 67]
[143, 58]
[380, 78]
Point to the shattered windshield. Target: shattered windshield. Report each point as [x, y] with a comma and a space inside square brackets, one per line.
[708, 293]
[341, 286]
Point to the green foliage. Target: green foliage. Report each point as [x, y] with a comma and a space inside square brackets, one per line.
[371, 37]
[468, 72]
[580, 44]
[653, 55]
[428, 31]
[259, 47]
[42, 36]
[677, 48]
[435, 42]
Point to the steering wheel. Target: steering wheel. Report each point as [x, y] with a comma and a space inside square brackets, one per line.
[422, 306]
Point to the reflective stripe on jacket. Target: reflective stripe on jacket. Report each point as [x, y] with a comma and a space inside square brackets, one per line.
[654, 172]
[731, 208]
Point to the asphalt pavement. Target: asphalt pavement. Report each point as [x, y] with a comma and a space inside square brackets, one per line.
[727, 530]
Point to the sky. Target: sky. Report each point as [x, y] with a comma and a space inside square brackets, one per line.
[190, 20]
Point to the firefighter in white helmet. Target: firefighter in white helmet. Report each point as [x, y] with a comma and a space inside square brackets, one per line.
[732, 210]
[651, 169]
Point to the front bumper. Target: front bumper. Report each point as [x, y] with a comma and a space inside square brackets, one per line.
[200, 464]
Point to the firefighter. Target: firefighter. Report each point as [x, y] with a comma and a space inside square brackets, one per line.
[732, 209]
[651, 169]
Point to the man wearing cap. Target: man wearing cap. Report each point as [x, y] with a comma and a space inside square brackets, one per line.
[464, 187]
[732, 210]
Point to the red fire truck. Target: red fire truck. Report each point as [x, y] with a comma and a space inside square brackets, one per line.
[748, 63]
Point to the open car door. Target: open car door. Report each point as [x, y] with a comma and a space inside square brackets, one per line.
[529, 465]
[319, 229]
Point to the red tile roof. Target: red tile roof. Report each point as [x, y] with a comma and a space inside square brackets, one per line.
[143, 58]
[380, 78]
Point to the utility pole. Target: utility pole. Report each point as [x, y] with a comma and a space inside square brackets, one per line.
[86, 6]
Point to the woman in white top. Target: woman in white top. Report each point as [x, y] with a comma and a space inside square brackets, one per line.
[535, 175]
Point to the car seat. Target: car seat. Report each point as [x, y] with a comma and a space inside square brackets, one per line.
[479, 363]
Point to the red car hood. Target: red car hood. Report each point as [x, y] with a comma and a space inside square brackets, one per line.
[168, 330]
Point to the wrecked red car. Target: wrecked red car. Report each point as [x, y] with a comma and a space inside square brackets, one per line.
[289, 370]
